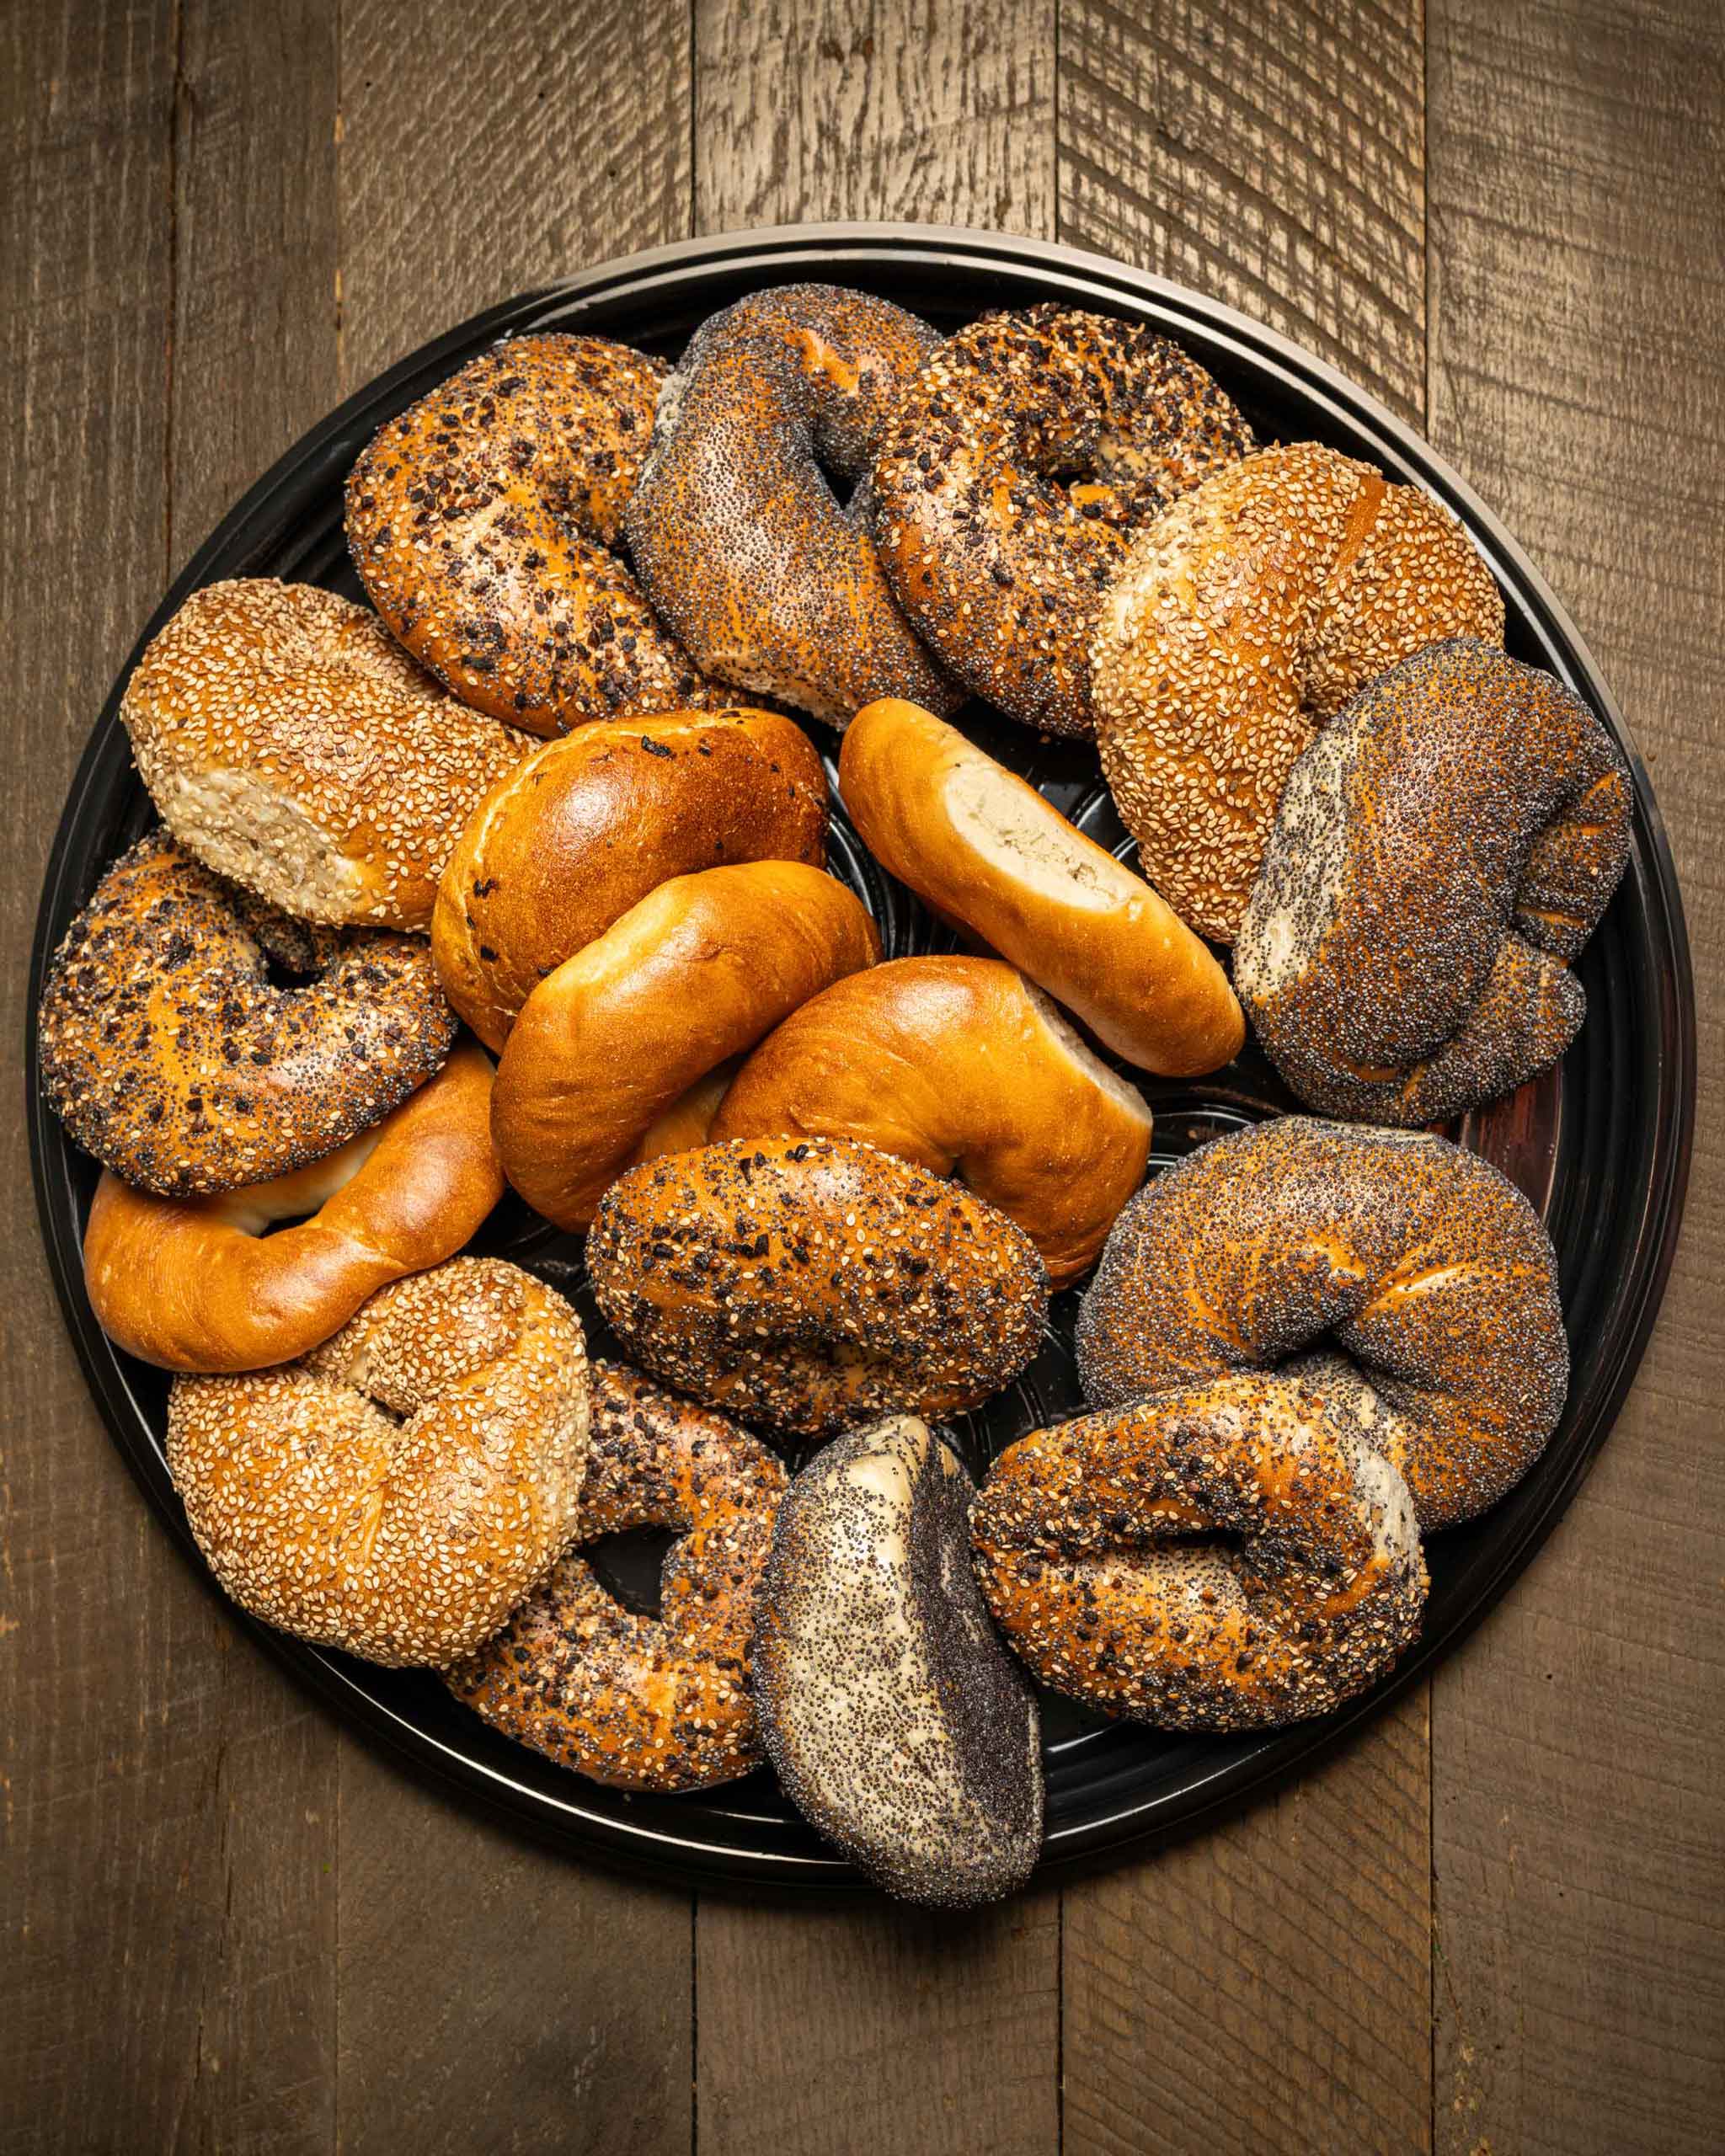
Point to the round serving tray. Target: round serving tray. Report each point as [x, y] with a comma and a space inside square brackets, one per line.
[1601, 1144]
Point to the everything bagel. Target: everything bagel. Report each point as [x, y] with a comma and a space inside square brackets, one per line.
[957, 1064]
[697, 972]
[1414, 1276]
[201, 1284]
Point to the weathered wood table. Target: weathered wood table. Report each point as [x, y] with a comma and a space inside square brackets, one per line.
[1496, 1923]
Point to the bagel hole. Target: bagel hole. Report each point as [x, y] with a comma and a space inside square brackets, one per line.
[631, 1565]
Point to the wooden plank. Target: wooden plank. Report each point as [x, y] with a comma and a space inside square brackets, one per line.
[939, 111]
[164, 1977]
[492, 1994]
[869, 2024]
[1578, 378]
[1271, 156]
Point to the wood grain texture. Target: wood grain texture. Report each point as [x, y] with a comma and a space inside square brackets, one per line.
[491, 146]
[865, 2025]
[1267, 1987]
[495, 1996]
[936, 110]
[1579, 379]
[1269, 152]
[166, 1978]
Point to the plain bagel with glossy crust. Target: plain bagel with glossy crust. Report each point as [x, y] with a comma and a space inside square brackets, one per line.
[697, 972]
[984, 849]
[1016, 465]
[643, 1702]
[202, 1285]
[400, 1490]
[1240, 621]
[734, 529]
[808, 1285]
[959, 1065]
[483, 523]
[292, 745]
[168, 1053]
[1441, 851]
[1084, 1548]
[1413, 1278]
[563, 845]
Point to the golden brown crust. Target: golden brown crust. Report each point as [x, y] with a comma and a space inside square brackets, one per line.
[564, 844]
[169, 1055]
[1084, 1549]
[200, 1284]
[734, 530]
[1403, 954]
[1237, 625]
[399, 1490]
[699, 971]
[811, 1285]
[483, 522]
[1417, 1278]
[642, 1702]
[1001, 564]
[293, 746]
[984, 848]
[956, 1064]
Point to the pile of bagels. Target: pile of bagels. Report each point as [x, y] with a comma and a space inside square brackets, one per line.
[517, 877]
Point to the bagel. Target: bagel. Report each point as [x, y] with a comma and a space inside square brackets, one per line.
[733, 527]
[985, 849]
[1404, 952]
[1239, 623]
[644, 1702]
[201, 1283]
[1414, 1276]
[398, 1492]
[1084, 1544]
[901, 1728]
[483, 523]
[291, 745]
[804, 1286]
[572, 837]
[170, 1053]
[695, 972]
[957, 1064]
[1011, 474]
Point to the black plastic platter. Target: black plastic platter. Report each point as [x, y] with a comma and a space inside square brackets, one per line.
[1601, 1145]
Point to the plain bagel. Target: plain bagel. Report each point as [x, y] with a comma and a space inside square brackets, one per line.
[1238, 623]
[564, 844]
[959, 1065]
[699, 971]
[984, 849]
[292, 744]
[202, 1285]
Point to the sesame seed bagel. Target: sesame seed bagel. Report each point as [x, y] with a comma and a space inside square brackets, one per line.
[202, 1285]
[293, 746]
[1010, 478]
[901, 1728]
[1237, 625]
[961, 1066]
[1084, 1549]
[563, 845]
[734, 529]
[1415, 1277]
[695, 974]
[483, 523]
[1440, 851]
[396, 1492]
[170, 1053]
[642, 1702]
[806, 1285]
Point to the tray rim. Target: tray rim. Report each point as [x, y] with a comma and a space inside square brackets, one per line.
[781, 249]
